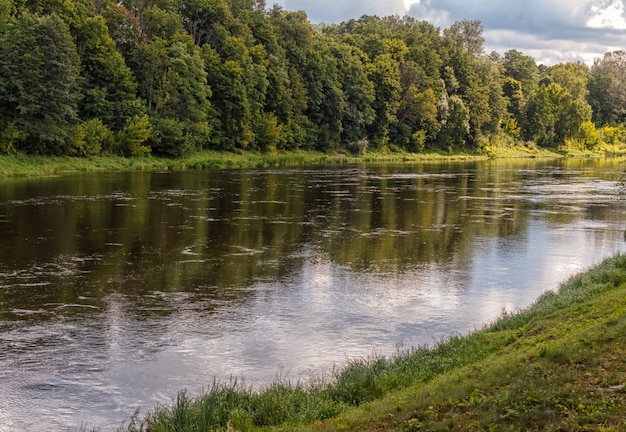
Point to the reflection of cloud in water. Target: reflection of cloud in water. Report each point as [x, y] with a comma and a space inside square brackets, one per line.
[289, 276]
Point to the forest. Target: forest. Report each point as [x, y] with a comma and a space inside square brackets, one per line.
[172, 77]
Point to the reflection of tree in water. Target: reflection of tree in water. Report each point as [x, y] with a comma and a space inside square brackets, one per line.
[108, 276]
[214, 234]
[621, 192]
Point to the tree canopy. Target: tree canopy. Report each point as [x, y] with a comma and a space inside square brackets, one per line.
[175, 76]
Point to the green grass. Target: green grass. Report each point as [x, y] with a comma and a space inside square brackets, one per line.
[558, 365]
[22, 165]
[28, 166]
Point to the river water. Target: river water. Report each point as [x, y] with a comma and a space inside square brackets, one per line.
[118, 290]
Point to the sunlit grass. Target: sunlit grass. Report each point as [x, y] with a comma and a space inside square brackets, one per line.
[23, 165]
[558, 365]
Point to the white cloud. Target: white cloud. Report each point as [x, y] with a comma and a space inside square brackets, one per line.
[530, 15]
[332, 11]
[551, 31]
[546, 51]
[614, 16]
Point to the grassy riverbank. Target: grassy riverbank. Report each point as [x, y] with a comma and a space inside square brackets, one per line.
[558, 365]
[24, 166]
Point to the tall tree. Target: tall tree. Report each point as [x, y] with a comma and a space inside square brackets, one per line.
[109, 88]
[326, 99]
[6, 15]
[233, 127]
[523, 69]
[42, 103]
[358, 90]
[468, 34]
[464, 72]
[385, 74]
[173, 80]
[607, 88]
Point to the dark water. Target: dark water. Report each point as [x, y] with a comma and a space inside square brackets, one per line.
[118, 290]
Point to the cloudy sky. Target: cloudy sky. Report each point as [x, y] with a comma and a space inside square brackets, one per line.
[551, 31]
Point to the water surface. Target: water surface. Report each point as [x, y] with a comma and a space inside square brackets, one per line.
[118, 290]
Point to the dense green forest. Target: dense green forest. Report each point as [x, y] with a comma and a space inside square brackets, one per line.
[170, 77]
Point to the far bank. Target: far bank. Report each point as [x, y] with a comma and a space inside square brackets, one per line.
[20, 165]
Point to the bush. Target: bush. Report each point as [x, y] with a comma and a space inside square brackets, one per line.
[9, 135]
[589, 135]
[168, 138]
[132, 137]
[358, 147]
[93, 137]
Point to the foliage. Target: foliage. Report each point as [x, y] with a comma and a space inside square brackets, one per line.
[132, 137]
[39, 84]
[235, 75]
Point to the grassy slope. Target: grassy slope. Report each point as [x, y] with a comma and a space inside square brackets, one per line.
[559, 365]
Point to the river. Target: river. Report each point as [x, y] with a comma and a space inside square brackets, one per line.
[117, 290]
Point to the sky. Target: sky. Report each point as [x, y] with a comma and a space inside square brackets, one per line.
[551, 31]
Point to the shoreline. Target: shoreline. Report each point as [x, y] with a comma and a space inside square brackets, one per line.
[41, 166]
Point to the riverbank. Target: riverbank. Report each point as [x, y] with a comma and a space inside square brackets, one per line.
[558, 365]
[30, 166]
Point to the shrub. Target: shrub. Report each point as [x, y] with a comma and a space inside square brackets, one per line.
[358, 147]
[93, 138]
[132, 137]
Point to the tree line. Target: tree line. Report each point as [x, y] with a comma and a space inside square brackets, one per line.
[170, 77]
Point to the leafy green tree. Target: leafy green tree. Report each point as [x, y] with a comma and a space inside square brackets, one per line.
[542, 113]
[418, 113]
[173, 80]
[456, 124]
[358, 90]
[417, 120]
[233, 126]
[288, 93]
[108, 85]
[512, 89]
[6, 15]
[162, 23]
[607, 88]
[268, 132]
[122, 24]
[465, 73]
[210, 21]
[573, 78]
[187, 92]
[295, 33]
[491, 83]
[39, 83]
[95, 138]
[468, 35]
[292, 112]
[131, 140]
[523, 69]
[559, 108]
[69, 11]
[384, 72]
[326, 99]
